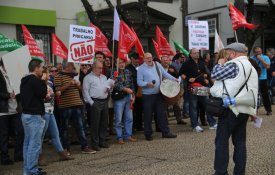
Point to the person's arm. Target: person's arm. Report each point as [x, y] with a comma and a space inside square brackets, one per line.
[226, 71]
[59, 86]
[140, 80]
[39, 88]
[85, 91]
[165, 73]
[264, 60]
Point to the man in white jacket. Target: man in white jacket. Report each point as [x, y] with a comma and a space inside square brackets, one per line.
[239, 77]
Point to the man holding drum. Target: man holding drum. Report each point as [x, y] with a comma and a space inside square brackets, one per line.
[149, 76]
[195, 73]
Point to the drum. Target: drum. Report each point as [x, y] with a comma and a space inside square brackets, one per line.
[200, 91]
[170, 91]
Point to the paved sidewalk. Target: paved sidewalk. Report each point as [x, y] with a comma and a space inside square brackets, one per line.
[189, 154]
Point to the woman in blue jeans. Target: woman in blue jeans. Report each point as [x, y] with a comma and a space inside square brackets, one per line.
[50, 124]
[123, 106]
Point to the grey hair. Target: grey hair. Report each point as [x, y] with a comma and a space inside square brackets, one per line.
[271, 50]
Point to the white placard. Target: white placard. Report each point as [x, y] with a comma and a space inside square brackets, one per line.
[198, 34]
[82, 42]
[16, 65]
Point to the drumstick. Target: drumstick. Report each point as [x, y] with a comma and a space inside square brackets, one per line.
[199, 75]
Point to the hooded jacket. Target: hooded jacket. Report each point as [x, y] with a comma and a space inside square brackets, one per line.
[33, 91]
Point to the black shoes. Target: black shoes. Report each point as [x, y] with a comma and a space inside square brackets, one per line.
[169, 136]
[181, 122]
[7, 162]
[269, 113]
[149, 138]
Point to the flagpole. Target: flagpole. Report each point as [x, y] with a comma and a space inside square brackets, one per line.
[113, 53]
[236, 36]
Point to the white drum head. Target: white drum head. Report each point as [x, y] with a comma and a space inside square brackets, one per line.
[169, 88]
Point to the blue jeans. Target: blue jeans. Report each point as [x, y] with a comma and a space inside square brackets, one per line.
[193, 109]
[122, 108]
[54, 133]
[75, 114]
[185, 103]
[230, 125]
[33, 127]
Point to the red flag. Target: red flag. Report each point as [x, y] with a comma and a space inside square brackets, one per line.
[156, 46]
[30, 41]
[58, 47]
[127, 39]
[139, 48]
[238, 20]
[101, 42]
[164, 46]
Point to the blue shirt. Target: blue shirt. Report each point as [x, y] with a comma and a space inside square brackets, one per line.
[263, 75]
[146, 74]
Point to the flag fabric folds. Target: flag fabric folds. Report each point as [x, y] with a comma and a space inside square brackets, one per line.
[238, 19]
[116, 26]
[156, 46]
[58, 47]
[218, 42]
[127, 39]
[101, 42]
[164, 46]
[181, 48]
[7, 44]
[30, 41]
[139, 48]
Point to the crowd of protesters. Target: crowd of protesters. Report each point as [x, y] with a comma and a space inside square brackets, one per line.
[99, 101]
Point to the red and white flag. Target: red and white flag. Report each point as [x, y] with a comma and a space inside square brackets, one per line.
[30, 41]
[58, 47]
[127, 40]
[238, 19]
[101, 42]
[164, 46]
[139, 48]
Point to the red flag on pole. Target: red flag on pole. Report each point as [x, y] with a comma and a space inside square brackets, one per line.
[58, 47]
[101, 42]
[139, 48]
[127, 39]
[30, 41]
[156, 46]
[238, 19]
[164, 46]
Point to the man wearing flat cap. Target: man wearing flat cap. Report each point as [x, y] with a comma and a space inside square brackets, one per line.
[235, 74]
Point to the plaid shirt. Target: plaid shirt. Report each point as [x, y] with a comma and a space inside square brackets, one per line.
[223, 72]
[124, 80]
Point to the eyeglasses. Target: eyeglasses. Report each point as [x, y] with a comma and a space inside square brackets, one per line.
[84, 65]
[53, 70]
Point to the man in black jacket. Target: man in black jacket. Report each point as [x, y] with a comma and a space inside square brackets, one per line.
[9, 117]
[33, 92]
[137, 112]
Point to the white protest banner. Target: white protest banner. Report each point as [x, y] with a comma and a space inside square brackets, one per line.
[16, 65]
[198, 34]
[82, 42]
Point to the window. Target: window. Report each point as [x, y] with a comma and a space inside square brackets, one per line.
[212, 23]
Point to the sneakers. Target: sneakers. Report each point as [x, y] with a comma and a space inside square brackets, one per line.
[198, 129]
[269, 113]
[214, 126]
[87, 150]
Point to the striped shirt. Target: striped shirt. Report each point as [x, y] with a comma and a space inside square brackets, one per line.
[71, 96]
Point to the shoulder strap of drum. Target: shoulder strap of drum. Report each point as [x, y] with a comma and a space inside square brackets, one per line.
[158, 70]
[245, 83]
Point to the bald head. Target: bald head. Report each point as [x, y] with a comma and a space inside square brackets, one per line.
[148, 59]
[97, 67]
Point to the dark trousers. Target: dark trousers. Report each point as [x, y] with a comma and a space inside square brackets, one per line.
[264, 92]
[14, 122]
[154, 104]
[99, 122]
[137, 114]
[230, 125]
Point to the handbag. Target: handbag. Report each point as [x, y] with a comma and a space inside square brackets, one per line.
[117, 95]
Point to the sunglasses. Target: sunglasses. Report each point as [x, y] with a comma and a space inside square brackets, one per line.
[53, 70]
[84, 65]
